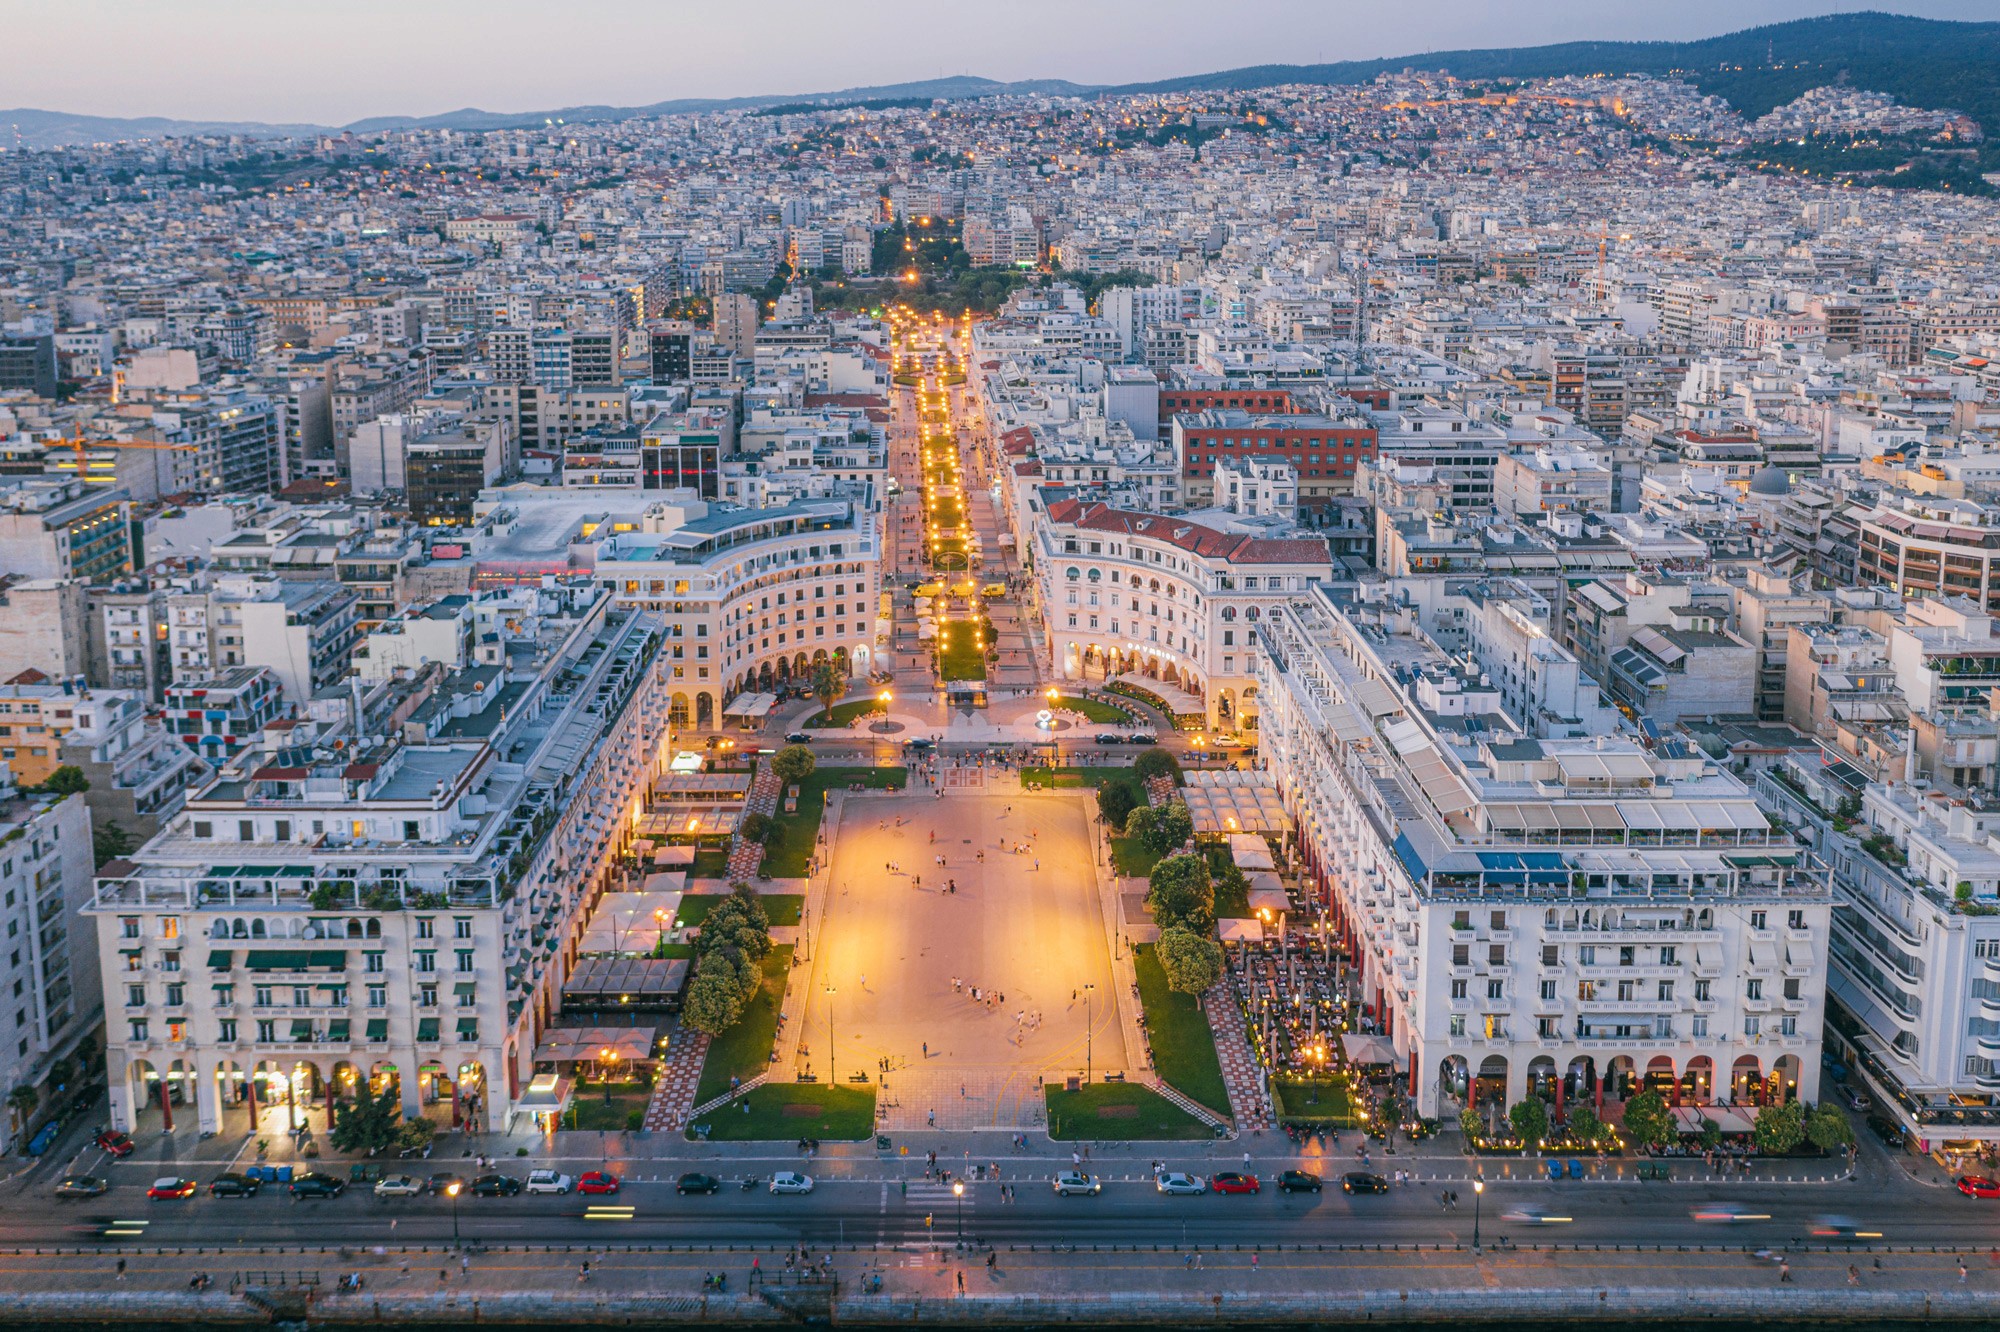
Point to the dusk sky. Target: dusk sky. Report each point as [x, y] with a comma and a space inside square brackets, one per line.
[290, 60]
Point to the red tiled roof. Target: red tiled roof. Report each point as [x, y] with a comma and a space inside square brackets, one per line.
[1188, 535]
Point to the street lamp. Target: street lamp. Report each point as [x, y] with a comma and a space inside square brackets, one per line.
[1478, 1187]
[958, 1196]
[609, 1059]
[1089, 1029]
[451, 1191]
[832, 1071]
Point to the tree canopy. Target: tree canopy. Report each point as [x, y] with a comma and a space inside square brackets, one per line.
[1192, 962]
[1179, 892]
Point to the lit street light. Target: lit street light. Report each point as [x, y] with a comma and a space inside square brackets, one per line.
[1478, 1187]
[451, 1191]
[958, 1196]
[832, 1071]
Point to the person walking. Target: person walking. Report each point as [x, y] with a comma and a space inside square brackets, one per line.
[1784, 1272]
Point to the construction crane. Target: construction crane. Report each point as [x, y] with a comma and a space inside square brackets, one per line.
[82, 447]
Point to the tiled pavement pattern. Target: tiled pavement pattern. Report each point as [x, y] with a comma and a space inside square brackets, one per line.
[997, 1098]
[1248, 1104]
[745, 857]
[680, 1074]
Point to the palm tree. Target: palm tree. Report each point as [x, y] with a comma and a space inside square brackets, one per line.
[829, 682]
[23, 1099]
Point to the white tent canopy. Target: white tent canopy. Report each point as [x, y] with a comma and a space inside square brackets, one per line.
[1250, 852]
[750, 705]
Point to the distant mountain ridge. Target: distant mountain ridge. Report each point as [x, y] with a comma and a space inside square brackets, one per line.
[1920, 62]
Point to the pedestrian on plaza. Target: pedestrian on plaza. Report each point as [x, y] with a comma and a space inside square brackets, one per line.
[930, 1118]
[927, 1049]
[1785, 1272]
[1961, 1271]
[1853, 1275]
[121, 1269]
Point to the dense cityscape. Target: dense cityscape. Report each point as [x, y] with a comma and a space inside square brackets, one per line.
[953, 672]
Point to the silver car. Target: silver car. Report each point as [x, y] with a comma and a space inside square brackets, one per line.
[1176, 1182]
[398, 1186]
[1075, 1181]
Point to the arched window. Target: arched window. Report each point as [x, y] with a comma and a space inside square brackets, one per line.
[1072, 573]
[1229, 613]
[1095, 575]
[1253, 613]
[257, 929]
[219, 930]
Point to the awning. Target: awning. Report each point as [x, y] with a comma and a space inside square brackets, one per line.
[1250, 852]
[302, 1029]
[378, 1029]
[1362, 1049]
[337, 1029]
[1240, 930]
[468, 1029]
[1687, 1118]
[277, 959]
[1376, 698]
[427, 1029]
[221, 959]
[327, 957]
[750, 705]
[575, 1045]
[465, 988]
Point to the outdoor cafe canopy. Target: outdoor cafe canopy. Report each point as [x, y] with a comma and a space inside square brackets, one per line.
[578, 1045]
[1235, 809]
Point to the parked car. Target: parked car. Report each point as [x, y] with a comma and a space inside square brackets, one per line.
[1360, 1181]
[1887, 1129]
[118, 1144]
[798, 738]
[312, 1184]
[1298, 1181]
[1230, 1181]
[171, 1186]
[791, 1181]
[1978, 1186]
[496, 1186]
[1109, 739]
[1176, 1182]
[443, 1183]
[232, 1185]
[697, 1183]
[1076, 1181]
[597, 1181]
[81, 1186]
[1142, 738]
[920, 743]
[549, 1181]
[398, 1186]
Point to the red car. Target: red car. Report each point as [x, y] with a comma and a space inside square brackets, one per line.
[597, 1181]
[1978, 1186]
[1231, 1182]
[111, 1140]
[171, 1187]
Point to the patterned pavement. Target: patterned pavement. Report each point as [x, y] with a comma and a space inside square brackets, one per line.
[673, 1093]
[746, 857]
[1248, 1104]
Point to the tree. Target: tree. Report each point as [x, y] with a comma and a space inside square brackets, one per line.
[109, 841]
[1139, 824]
[1471, 1123]
[1648, 1120]
[793, 764]
[1584, 1124]
[1779, 1128]
[829, 682]
[1115, 802]
[1827, 1128]
[367, 1124]
[1173, 827]
[415, 1134]
[713, 1002]
[1157, 763]
[1710, 1136]
[66, 780]
[1193, 962]
[757, 828]
[24, 1099]
[1530, 1119]
[1179, 893]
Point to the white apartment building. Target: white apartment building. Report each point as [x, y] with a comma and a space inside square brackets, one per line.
[1173, 602]
[752, 599]
[50, 972]
[341, 913]
[1579, 917]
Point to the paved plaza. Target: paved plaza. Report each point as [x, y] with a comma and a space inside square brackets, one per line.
[893, 941]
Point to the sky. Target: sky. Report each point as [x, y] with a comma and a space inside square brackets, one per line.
[330, 63]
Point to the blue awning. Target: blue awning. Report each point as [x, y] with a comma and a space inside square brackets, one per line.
[1544, 867]
[1411, 860]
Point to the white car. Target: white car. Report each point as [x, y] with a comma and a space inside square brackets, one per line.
[790, 1181]
[398, 1186]
[549, 1181]
[1175, 1182]
[1075, 1181]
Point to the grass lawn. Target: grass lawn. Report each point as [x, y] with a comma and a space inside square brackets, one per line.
[1132, 857]
[1183, 1046]
[782, 908]
[1312, 1100]
[789, 1111]
[588, 1111]
[744, 1050]
[1118, 1110]
[788, 859]
[1096, 710]
[841, 714]
[962, 660]
[1070, 779]
[710, 862]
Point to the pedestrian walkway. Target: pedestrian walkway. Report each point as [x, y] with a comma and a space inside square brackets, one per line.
[680, 1074]
[961, 1099]
[746, 857]
[1249, 1105]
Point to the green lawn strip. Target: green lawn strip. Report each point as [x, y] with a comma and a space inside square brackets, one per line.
[1183, 1046]
[589, 1112]
[710, 863]
[1132, 858]
[744, 1050]
[962, 660]
[1095, 710]
[1072, 778]
[788, 1111]
[1118, 1110]
[782, 908]
[788, 859]
[1312, 1101]
[841, 714]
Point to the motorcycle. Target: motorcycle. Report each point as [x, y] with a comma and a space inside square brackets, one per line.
[750, 1182]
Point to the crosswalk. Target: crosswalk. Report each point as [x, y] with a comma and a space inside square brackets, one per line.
[926, 1212]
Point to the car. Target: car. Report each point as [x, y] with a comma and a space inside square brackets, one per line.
[496, 1186]
[597, 1181]
[791, 1181]
[1076, 1181]
[1109, 739]
[81, 1186]
[695, 1182]
[443, 1183]
[1360, 1181]
[1298, 1181]
[232, 1185]
[118, 1144]
[920, 743]
[171, 1186]
[1230, 1181]
[312, 1184]
[1841, 1228]
[1142, 738]
[798, 738]
[398, 1186]
[1727, 1213]
[1978, 1186]
[1534, 1216]
[1173, 1181]
[549, 1181]
[1887, 1129]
